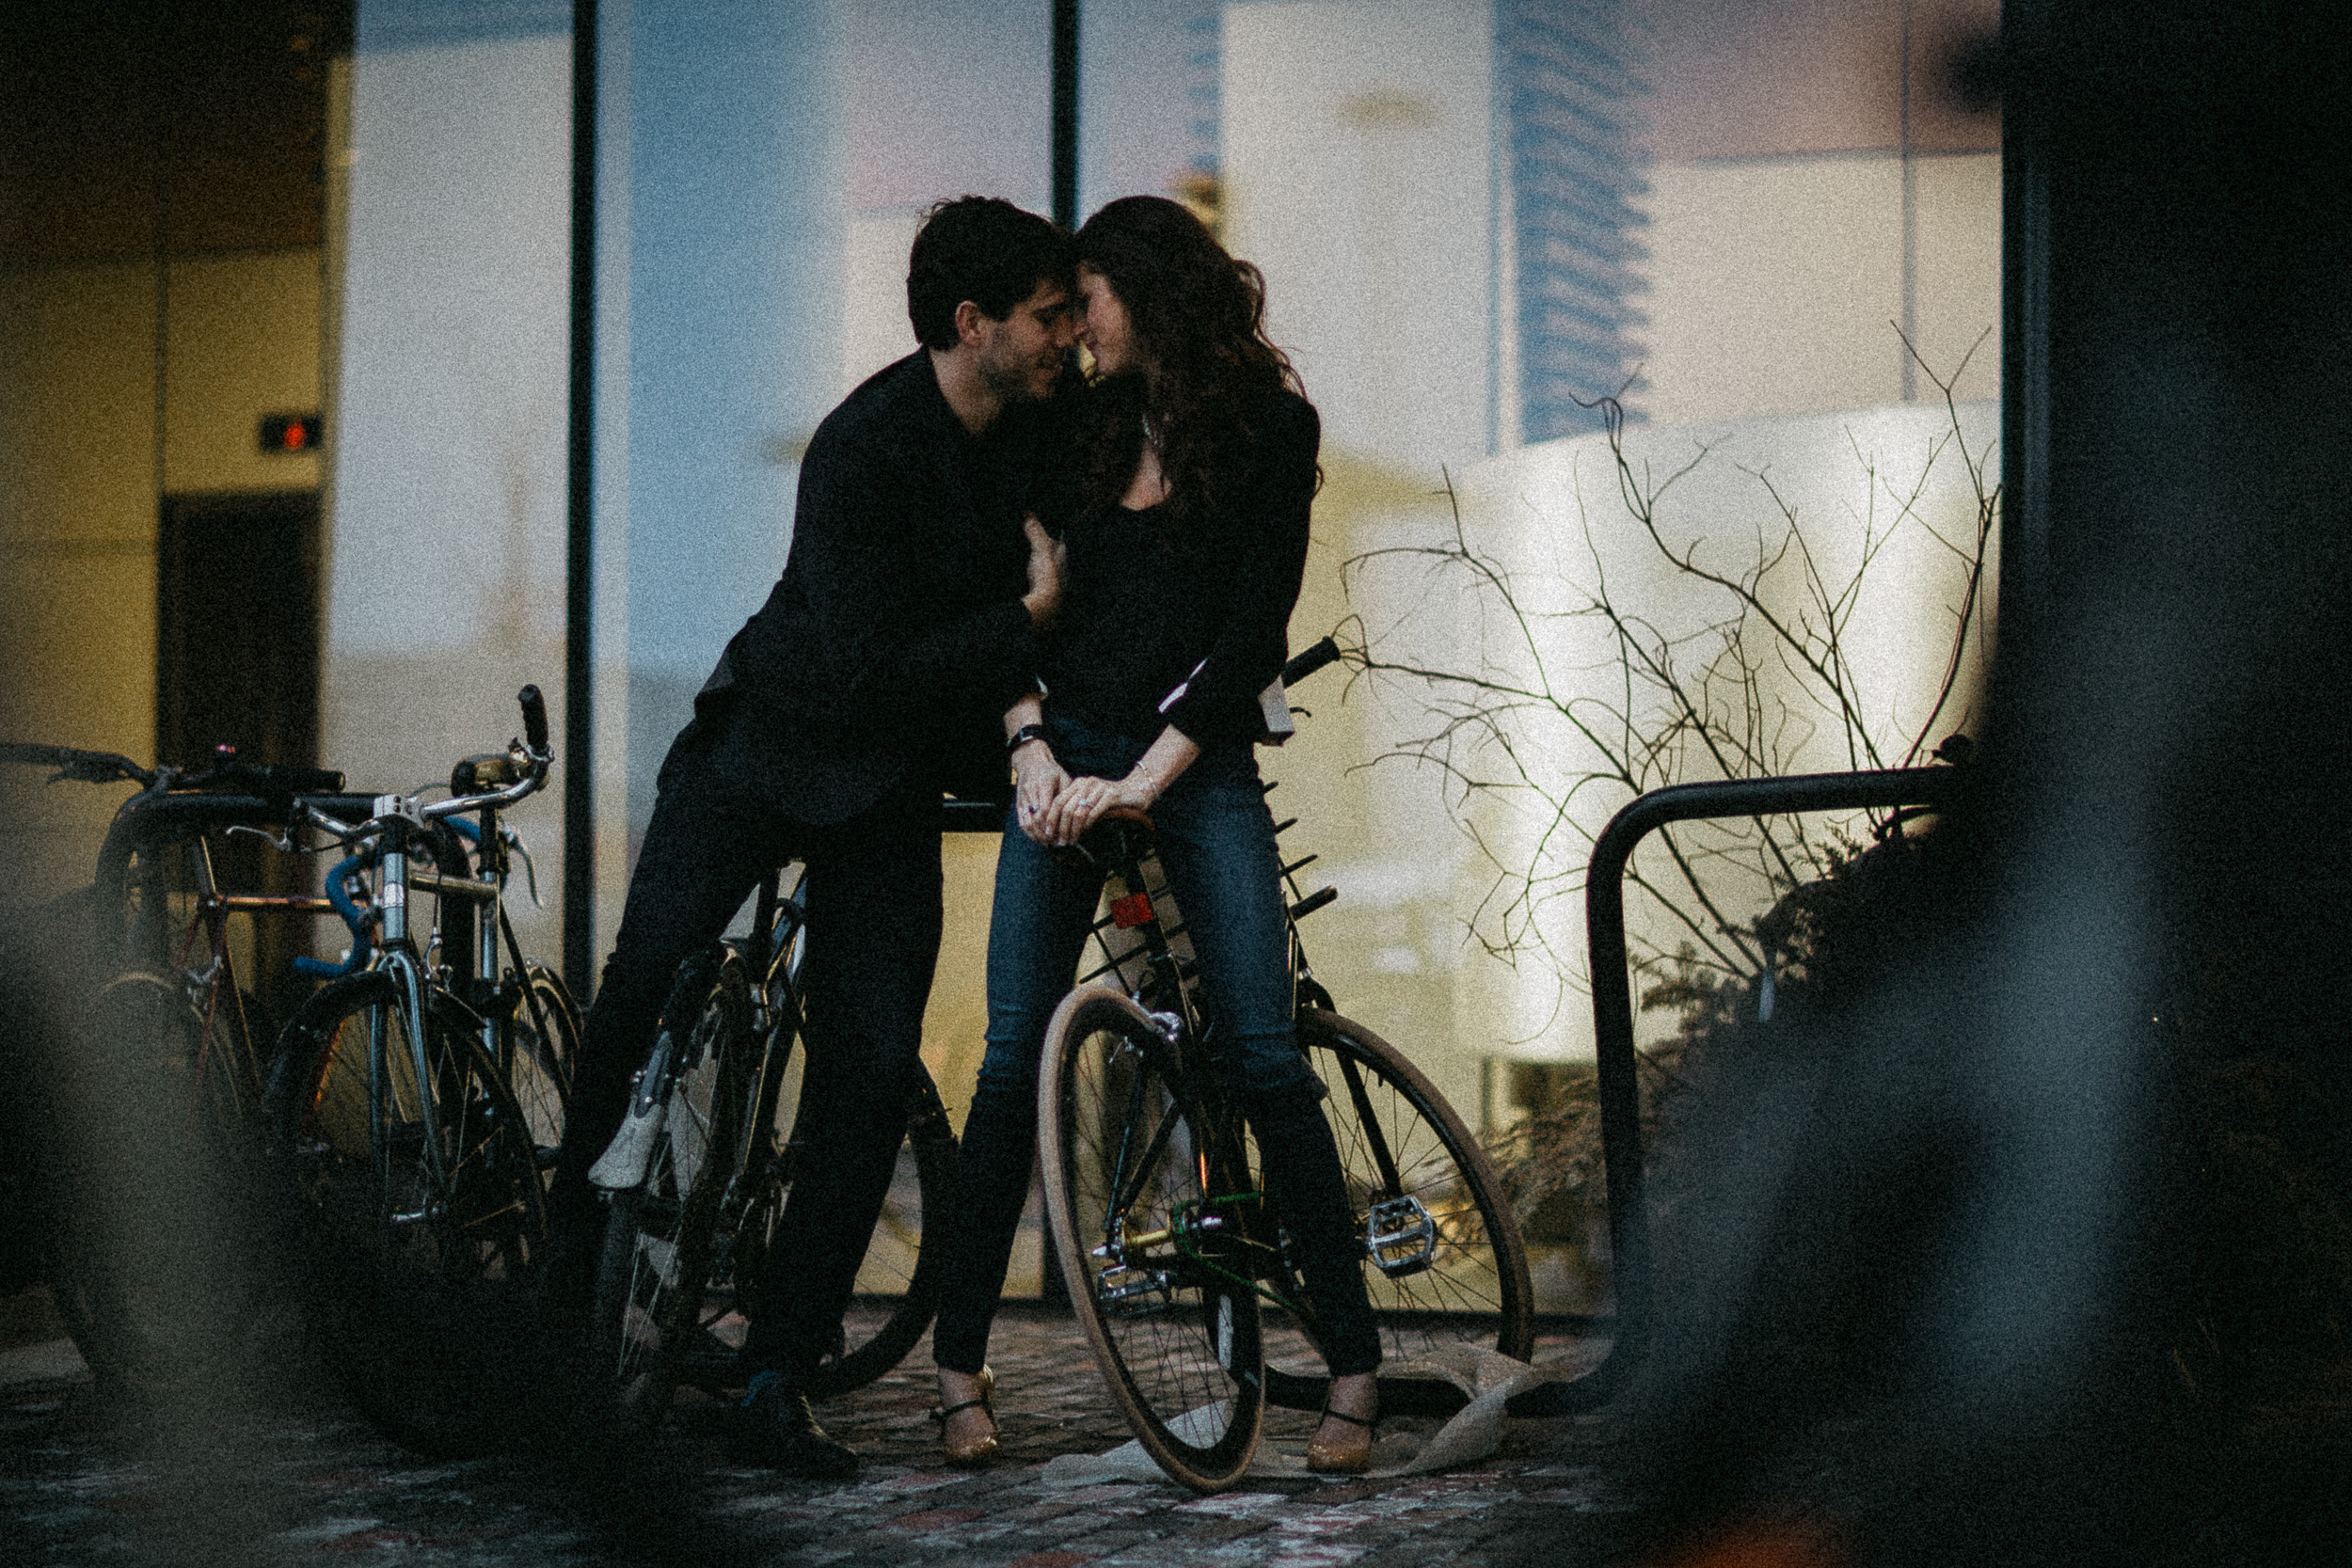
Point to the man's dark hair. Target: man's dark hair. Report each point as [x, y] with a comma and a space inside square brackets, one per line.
[983, 249]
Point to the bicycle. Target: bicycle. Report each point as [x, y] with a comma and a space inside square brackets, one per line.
[148, 1256]
[413, 1174]
[699, 1174]
[1164, 1242]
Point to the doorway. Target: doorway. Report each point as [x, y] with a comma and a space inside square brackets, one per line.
[237, 664]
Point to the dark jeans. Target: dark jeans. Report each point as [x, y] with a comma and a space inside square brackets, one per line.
[1216, 841]
[873, 903]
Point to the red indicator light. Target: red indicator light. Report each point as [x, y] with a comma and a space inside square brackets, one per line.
[284, 434]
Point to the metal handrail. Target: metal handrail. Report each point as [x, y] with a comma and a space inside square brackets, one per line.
[1612, 1020]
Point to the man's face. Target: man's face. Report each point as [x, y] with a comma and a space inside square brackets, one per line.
[1021, 358]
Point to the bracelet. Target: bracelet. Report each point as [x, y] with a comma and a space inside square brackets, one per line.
[1022, 736]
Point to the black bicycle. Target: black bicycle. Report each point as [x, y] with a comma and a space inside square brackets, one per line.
[1170, 1255]
[412, 1171]
[700, 1172]
[143, 1165]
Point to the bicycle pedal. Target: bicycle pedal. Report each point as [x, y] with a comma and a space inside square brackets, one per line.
[1146, 1282]
[1401, 1236]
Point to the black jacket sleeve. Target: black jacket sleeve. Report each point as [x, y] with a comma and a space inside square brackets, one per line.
[887, 646]
[1265, 539]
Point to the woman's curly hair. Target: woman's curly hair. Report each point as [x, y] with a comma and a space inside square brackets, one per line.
[1198, 314]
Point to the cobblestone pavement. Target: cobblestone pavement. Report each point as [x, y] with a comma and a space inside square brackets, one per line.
[285, 1475]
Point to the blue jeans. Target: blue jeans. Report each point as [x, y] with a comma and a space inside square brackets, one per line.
[1216, 841]
[1216, 844]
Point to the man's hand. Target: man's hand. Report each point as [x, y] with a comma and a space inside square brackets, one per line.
[1044, 599]
[1037, 778]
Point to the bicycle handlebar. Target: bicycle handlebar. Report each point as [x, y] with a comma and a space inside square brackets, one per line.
[1310, 660]
[361, 949]
[79, 766]
[535, 718]
[536, 758]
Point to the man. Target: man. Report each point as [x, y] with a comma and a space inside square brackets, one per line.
[875, 675]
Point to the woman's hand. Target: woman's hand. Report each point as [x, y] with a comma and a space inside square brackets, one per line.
[1084, 800]
[1037, 779]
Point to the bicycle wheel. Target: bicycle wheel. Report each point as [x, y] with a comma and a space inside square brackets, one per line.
[1148, 1209]
[152, 1261]
[650, 1280]
[1443, 1261]
[544, 1041]
[417, 1228]
[898, 1283]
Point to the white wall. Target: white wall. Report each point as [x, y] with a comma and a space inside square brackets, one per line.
[1357, 155]
[1775, 282]
[446, 541]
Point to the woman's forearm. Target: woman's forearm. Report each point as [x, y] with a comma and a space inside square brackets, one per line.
[1164, 758]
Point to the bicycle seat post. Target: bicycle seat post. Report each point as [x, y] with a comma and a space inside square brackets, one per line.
[1122, 843]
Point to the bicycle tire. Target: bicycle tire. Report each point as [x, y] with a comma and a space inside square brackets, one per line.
[898, 1280]
[1466, 1283]
[1127, 1151]
[415, 1283]
[651, 1275]
[151, 1260]
[544, 1037]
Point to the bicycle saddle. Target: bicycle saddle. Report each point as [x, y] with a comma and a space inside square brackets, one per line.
[1120, 835]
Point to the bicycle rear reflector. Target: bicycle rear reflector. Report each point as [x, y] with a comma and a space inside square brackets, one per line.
[1131, 910]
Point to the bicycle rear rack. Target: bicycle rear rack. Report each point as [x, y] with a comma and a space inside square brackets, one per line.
[1613, 1020]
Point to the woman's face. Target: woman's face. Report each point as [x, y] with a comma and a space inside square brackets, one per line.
[1102, 326]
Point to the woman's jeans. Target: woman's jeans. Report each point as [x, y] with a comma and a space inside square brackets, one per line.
[1216, 841]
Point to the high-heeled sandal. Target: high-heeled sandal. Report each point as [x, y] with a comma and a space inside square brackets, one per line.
[984, 1448]
[1328, 1459]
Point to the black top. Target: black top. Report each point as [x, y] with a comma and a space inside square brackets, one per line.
[896, 627]
[1208, 613]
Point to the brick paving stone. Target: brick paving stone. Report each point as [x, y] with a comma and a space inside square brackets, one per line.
[286, 1475]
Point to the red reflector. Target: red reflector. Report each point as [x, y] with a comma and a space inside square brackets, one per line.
[1131, 911]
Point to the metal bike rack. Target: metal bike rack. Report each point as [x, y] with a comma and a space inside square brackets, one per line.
[1613, 1020]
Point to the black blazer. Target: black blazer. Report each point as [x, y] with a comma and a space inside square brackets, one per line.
[897, 630]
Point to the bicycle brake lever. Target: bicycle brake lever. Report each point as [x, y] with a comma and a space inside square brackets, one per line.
[531, 868]
[282, 843]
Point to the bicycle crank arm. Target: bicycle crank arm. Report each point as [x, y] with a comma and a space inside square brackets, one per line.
[1150, 1239]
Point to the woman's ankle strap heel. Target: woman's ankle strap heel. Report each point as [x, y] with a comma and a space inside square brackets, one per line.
[982, 1450]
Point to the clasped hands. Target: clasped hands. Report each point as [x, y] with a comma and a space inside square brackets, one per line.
[1053, 808]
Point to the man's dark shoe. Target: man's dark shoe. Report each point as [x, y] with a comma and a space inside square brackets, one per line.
[774, 1427]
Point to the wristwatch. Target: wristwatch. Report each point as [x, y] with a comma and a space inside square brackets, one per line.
[1022, 736]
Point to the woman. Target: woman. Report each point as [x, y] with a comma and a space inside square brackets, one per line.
[1195, 467]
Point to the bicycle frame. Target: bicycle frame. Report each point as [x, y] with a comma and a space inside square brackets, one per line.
[396, 822]
[217, 979]
[1187, 1034]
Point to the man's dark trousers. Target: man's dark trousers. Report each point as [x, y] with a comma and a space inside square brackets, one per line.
[872, 896]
